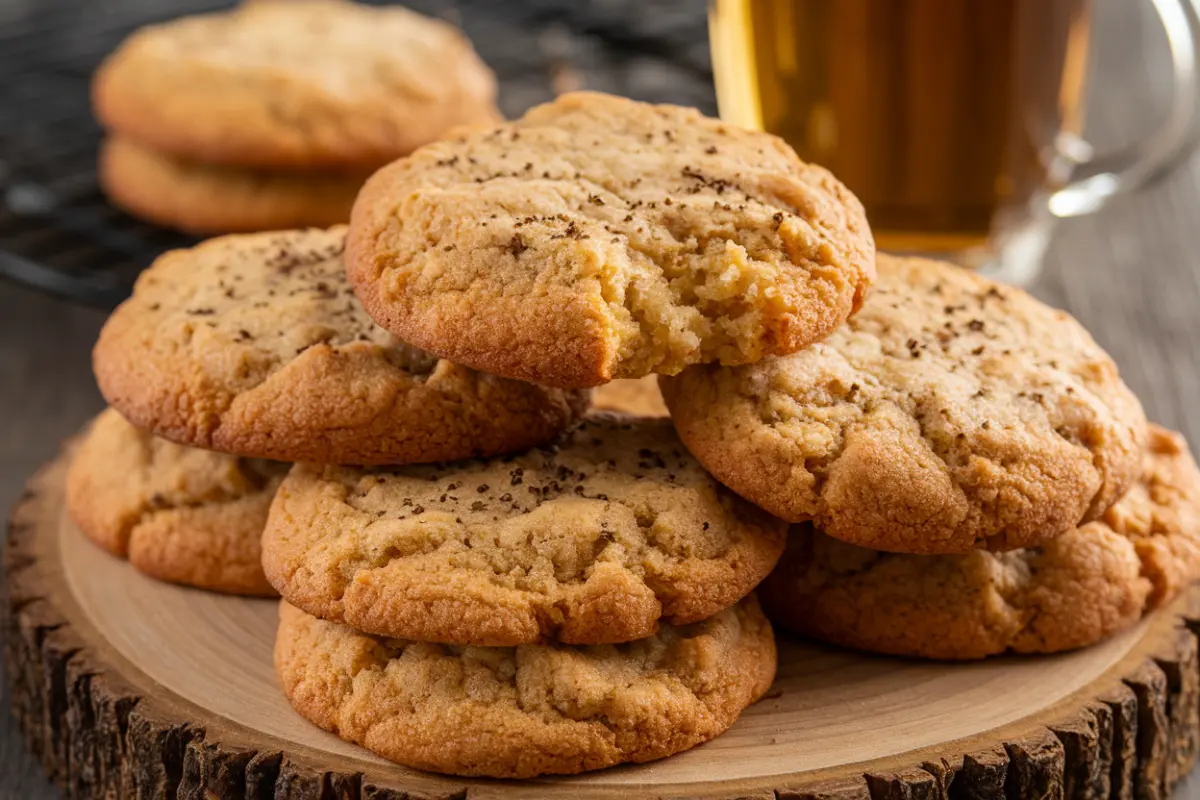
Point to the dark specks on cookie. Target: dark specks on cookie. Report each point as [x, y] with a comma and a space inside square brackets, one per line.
[986, 355]
[284, 310]
[517, 245]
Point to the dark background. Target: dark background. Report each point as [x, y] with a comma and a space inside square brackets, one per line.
[1129, 273]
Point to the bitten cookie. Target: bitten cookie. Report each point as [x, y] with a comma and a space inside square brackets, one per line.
[532, 710]
[951, 413]
[303, 84]
[1079, 588]
[200, 198]
[638, 397]
[591, 540]
[254, 345]
[178, 514]
[599, 238]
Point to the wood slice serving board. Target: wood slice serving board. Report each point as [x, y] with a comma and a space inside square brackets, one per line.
[126, 687]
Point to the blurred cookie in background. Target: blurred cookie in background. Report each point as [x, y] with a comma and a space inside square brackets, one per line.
[312, 84]
[272, 114]
[200, 198]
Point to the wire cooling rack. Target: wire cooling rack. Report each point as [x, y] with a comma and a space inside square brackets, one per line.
[59, 234]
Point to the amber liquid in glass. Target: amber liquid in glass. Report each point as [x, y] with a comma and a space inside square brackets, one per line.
[948, 118]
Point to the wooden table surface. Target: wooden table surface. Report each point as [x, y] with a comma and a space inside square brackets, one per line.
[1130, 273]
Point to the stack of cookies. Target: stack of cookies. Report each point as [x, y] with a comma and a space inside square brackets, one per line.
[479, 577]
[964, 470]
[246, 353]
[271, 115]
[388, 425]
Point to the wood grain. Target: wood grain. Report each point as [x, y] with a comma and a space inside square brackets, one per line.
[124, 686]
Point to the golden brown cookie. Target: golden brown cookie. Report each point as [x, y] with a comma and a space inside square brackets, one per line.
[1079, 588]
[638, 397]
[951, 413]
[599, 238]
[594, 539]
[178, 514]
[254, 345]
[519, 712]
[199, 198]
[306, 84]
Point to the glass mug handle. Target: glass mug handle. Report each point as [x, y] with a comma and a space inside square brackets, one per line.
[1097, 180]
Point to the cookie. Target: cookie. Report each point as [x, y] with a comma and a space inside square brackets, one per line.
[178, 514]
[951, 413]
[519, 712]
[254, 345]
[591, 540]
[305, 84]
[599, 238]
[1077, 589]
[638, 397]
[200, 198]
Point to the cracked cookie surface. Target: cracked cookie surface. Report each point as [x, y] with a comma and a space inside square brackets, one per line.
[593, 539]
[950, 414]
[255, 345]
[308, 84]
[519, 712]
[202, 198]
[1083, 586]
[179, 514]
[599, 238]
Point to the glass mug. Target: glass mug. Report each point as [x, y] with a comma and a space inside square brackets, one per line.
[958, 123]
